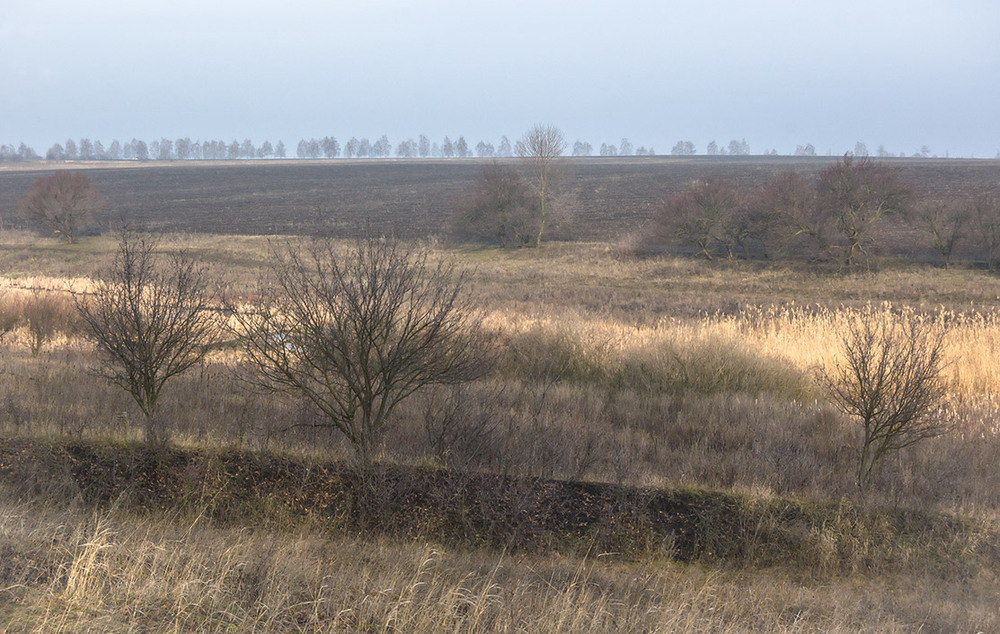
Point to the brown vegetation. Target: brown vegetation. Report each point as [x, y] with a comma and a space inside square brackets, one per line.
[64, 202]
[640, 413]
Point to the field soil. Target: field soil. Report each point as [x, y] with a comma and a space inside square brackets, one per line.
[597, 199]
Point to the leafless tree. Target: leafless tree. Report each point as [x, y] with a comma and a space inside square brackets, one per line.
[859, 193]
[946, 223]
[799, 226]
[44, 315]
[501, 207]
[985, 210]
[150, 322]
[699, 216]
[357, 333]
[64, 202]
[540, 148]
[889, 381]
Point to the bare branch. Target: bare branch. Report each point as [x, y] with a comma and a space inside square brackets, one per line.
[357, 334]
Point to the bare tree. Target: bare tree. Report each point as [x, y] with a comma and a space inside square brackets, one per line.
[797, 222]
[64, 202]
[859, 193]
[945, 222]
[150, 323]
[985, 210]
[501, 207]
[358, 333]
[699, 216]
[889, 381]
[540, 148]
[44, 315]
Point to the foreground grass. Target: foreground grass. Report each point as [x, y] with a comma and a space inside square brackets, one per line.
[166, 548]
[696, 379]
[73, 571]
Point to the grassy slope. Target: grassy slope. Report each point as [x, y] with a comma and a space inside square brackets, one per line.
[163, 539]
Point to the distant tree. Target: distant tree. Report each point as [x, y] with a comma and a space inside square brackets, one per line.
[279, 149]
[713, 149]
[608, 150]
[448, 148]
[351, 148]
[698, 216]
[182, 148]
[540, 150]
[140, 149]
[504, 149]
[330, 146]
[683, 148]
[166, 152]
[485, 150]
[739, 147]
[382, 148]
[860, 149]
[265, 150]
[945, 223]
[462, 148]
[313, 149]
[71, 150]
[26, 153]
[985, 212]
[882, 152]
[63, 202]
[154, 149]
[406, 149]
[625, 148]
[582, 148]
[788, 206]
[233, 150]
[805, 150]
[87, 150]
[247, 149]
[150, 322]
[501, 207]
[423, 146]
[55, 153]
[859, 193]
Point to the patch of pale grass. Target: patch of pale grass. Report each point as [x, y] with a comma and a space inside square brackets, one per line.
[71, 570]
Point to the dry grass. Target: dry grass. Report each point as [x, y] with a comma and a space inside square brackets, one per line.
[660, 372]
[75, 571]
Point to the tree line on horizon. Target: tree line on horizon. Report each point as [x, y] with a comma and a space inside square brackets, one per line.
[327, 147]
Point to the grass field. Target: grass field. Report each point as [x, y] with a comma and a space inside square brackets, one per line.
[694, 380]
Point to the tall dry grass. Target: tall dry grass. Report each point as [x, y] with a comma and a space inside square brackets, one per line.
[71, 570]
[648, 372]
[722, 400]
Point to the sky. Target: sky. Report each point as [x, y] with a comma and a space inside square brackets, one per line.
[901, 74]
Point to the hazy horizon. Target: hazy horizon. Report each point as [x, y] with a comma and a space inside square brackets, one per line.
[779, 74]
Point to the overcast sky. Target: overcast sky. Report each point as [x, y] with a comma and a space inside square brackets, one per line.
[778, 73]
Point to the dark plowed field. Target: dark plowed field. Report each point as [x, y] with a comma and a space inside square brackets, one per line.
[601, 198]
